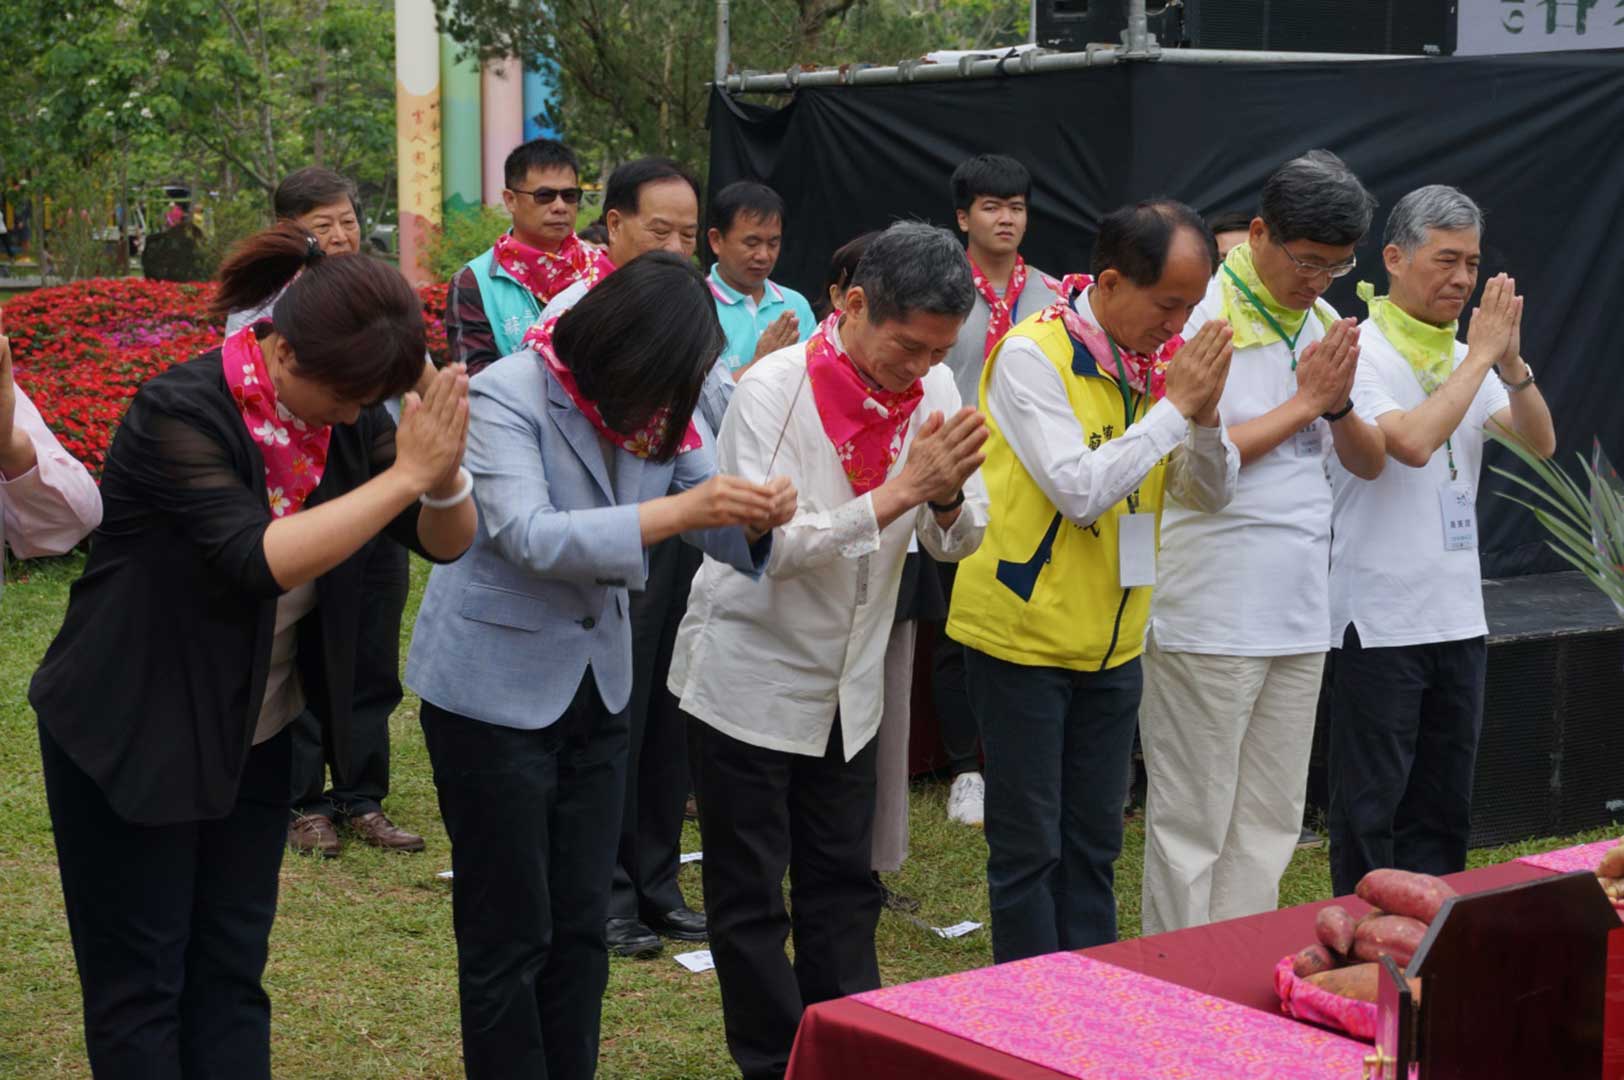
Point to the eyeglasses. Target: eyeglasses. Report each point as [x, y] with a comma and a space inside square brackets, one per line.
[545, 195]
[1314, 269]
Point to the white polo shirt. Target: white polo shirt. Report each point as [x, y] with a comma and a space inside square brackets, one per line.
[1390, 573]
[1250, 580]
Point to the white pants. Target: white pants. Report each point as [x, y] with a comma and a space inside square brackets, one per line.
[891, 758]
[1226, 741]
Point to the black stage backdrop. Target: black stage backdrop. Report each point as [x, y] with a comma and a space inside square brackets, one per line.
[1537, 140]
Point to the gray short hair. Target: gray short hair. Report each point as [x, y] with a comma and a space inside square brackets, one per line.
[912, 267]
[1316, 197]
[1436, 206]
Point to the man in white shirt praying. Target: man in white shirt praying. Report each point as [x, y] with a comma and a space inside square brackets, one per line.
[786, 676]
[1406, 597]
[1238, 623]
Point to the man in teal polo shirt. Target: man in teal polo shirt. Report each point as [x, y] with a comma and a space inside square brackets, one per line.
[758, 315]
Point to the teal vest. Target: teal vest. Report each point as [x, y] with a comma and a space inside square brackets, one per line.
[510, 307]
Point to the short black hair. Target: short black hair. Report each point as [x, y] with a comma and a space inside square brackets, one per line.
[990, 174]
[1316, 197]
[311, 188]
[1134, 240]
[645, 338]
[842, 265]
[1230, 221]
[626, 182]
[595, 233]
[537, 154]
[744, 197]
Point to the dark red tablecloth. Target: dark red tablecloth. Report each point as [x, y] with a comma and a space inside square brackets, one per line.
[1234, 960]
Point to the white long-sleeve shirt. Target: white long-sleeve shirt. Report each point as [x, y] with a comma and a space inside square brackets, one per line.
[769, 662]
[1026, 398]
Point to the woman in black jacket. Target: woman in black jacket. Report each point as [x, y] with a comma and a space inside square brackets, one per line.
[222, 591]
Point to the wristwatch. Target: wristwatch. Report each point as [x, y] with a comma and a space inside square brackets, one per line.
[1333, 417]
[947, 508]
[1513, 387]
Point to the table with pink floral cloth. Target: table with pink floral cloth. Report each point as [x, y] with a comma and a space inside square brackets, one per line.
[1567, 860]
[1096, 1021]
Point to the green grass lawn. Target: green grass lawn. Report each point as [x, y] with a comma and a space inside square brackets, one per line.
[362, 973]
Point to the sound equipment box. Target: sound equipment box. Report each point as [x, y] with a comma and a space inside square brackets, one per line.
[1351, 26]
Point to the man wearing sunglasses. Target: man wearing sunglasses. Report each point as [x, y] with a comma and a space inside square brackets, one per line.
[497, 296]
[1238, 630]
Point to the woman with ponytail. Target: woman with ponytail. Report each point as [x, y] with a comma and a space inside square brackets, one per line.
[222, 592]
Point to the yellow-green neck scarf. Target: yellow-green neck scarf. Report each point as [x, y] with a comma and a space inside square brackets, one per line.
[1429, 349]
[1249, 316]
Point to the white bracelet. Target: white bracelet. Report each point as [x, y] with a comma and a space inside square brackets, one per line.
[458, 499]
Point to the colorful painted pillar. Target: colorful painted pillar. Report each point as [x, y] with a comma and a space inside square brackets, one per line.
[540, 94]
[459, 140]
[417, 133]
[502, 117]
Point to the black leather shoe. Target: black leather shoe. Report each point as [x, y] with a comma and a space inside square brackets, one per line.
[683, 924]
[628, 937]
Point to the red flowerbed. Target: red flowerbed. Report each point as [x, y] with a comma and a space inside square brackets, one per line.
[81, 351]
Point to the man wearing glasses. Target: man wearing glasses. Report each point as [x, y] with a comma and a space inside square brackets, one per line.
[1238, 629]
[497, 296]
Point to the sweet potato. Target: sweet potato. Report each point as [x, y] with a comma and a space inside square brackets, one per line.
[1358, 983]
[1397, 936]
[1612, 863]
[1334, 928]
[1399, 892]
[1312, 961]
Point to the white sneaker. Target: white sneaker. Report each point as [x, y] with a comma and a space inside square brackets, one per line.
[965, 800]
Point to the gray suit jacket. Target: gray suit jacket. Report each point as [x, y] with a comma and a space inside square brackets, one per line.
[505, 633]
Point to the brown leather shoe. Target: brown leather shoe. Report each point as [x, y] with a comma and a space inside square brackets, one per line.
[380, 832]
[313, 834]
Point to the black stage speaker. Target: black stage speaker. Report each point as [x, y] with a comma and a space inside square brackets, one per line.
[1551, 759]
[1352, 26]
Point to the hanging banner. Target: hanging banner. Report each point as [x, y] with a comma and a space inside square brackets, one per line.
[1520, 26]
[417, 132]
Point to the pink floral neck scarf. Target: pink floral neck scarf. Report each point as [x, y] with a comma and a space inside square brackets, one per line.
[1145, 374]
[1000, 309]
[865, 424]
[644, 441]
[548, 273]
[295, 453]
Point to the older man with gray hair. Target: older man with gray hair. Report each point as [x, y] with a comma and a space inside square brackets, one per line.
[785, 677]
[1238, 632]
[1407, 619]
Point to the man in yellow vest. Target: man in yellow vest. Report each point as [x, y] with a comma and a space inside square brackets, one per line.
[1095, 407]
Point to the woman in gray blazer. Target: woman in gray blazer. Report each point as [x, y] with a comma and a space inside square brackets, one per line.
[586, 449]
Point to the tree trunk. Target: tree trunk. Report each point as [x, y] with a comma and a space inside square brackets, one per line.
[318, 141]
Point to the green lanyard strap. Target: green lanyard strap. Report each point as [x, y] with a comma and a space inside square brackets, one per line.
[1129, 406]
[1257, 305]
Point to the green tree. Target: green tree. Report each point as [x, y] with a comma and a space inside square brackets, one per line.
[635, 76]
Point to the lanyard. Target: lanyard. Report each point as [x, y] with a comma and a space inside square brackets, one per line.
[1128, 404]
[1449, 451]
[1289, 339]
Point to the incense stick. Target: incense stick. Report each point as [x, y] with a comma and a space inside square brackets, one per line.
[785, 429]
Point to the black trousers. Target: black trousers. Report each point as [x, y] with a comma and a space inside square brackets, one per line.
[764, 812]
[961, 737]
[532, 817]
[1058, 747]
[170, 924]
[361, 787]
[645, 874]
[1405, 724]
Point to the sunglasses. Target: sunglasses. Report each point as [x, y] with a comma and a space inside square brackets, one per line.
[545, 195]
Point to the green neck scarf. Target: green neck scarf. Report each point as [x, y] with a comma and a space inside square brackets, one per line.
[1428, 349]
[1253, 313]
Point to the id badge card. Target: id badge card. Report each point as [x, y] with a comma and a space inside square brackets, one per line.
[1309, 442]
[1136, 549]
[1457, 503]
